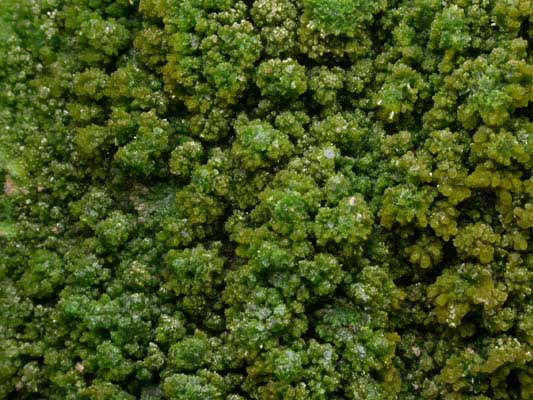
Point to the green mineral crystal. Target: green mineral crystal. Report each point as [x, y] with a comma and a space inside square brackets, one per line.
[266, 199]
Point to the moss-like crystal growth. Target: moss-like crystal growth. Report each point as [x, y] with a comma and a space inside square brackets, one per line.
[266, 199]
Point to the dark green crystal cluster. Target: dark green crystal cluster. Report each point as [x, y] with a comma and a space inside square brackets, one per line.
[266, 199]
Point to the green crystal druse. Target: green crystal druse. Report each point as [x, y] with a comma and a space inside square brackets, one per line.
[266, 199]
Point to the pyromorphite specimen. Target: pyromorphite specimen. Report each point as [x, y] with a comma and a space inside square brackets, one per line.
[266, 199]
